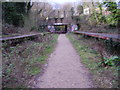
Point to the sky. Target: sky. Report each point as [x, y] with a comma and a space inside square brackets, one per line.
[57, 1]
[63, 1]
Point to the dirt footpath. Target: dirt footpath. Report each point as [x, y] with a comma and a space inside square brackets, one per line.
[64, 68]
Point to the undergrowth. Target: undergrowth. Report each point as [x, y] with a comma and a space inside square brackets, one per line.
[104, 77]
[25, 60]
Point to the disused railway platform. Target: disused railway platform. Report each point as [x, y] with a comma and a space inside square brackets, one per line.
[105, 36]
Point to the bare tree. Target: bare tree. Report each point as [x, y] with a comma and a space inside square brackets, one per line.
[66, 11]
[38, 14]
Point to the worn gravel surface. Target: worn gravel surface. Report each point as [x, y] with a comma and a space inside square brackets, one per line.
[65, 69]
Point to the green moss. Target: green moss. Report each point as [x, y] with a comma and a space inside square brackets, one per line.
[34, 71]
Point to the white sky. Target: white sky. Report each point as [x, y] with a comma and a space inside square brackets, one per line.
[63, 1]
[56, 1]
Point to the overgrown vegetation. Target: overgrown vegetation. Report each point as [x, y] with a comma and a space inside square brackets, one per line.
[103, 17]
[104, 77]
[14, 12]
[112, 19]
[25, 17]
[111, 61]
[14, 17]
[112, 13]
[23, 61]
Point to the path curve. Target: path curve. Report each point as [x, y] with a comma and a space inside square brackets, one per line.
[64, 68]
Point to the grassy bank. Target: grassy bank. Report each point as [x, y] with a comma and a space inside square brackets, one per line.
[25, 60]
[42, 57]
[104, 77]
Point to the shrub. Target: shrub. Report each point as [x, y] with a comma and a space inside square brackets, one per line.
[112, 60]
[33, 28]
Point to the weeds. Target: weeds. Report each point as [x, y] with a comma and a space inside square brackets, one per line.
[25, 60]
[34, 71]
[104, 77]
[112, 60]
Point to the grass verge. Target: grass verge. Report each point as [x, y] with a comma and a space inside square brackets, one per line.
[42, 57]
[104, 77]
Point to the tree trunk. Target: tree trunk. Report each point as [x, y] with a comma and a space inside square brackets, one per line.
[94, 12]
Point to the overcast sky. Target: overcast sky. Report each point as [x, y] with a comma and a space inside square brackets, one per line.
[63, 1]
[57, 1]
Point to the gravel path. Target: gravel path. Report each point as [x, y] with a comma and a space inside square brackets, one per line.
[64, 68]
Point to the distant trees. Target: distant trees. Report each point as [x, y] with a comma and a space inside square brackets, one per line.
[26, 14]
[40, 14]
[114, 17]
[72, 12]
[29, 6]
[80, 9]
[100, 15]
[15, 13]
[67, 11]
[68, 8]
